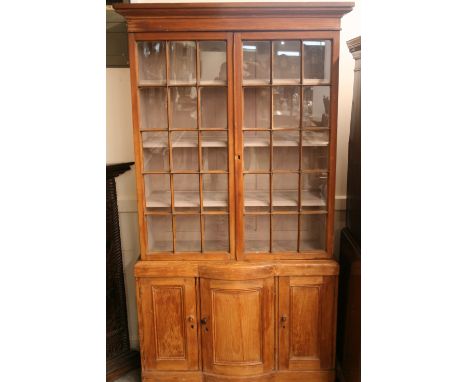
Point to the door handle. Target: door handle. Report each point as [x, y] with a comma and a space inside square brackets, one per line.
[204, 320]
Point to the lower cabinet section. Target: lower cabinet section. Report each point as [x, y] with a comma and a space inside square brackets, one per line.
[242, 322]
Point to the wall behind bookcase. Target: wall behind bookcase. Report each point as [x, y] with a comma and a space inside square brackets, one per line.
[119, 143]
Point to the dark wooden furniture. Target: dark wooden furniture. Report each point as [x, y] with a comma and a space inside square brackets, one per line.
[234, 116]
[349, 328]
[119, 358]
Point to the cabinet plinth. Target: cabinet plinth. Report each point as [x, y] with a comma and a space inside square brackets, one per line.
[234, 119]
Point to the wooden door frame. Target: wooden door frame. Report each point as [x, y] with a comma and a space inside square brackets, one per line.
[334, 36]
[133, 38]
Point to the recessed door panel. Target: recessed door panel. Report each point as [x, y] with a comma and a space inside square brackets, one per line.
[237, 326]
[306, 320]
[168, 313]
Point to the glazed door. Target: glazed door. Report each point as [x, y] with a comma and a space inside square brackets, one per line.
[306, 320]
[285, 143]
[184, 141]
[237, 326]
[168, 323]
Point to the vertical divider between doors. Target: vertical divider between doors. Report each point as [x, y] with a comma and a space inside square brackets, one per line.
[200, 176]
[271, 146]
[238, 152]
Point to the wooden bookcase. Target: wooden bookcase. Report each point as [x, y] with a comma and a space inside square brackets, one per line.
[234, 116]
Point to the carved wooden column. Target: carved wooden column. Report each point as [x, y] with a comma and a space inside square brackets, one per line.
[349, 318]
[120, 359]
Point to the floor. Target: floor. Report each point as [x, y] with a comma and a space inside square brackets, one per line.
[132, 376]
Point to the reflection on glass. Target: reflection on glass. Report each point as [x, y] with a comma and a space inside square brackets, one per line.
[286, 106]
[184, 150]
[212, 62]
[257, 108]
[313, 232]
[213, 107]
[286, 61]
[317, 61]
[152, 62]
[188, 233]
[153, 112]
[155, 151]
[316, 106]
[285, 191]
[159, 233]
[256, 192]
[158, 191]
[284, 231]
[216, 233]
[215, 192]
[256, 61]
[315, 158]
[314, 191]
[256, 150]
[184, 107]
[285, 150]
[214, 150]
[182, 58]
[256, 233]
[186, 192]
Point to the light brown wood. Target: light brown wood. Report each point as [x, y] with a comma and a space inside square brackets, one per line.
[168, 312]
[233, 315]
[306, 316]
[238, 336]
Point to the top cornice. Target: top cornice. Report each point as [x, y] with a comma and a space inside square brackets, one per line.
[234, 9]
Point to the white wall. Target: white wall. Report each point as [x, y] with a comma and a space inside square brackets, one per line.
[119, 142]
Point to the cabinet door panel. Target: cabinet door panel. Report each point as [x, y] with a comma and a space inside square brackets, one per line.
[169, 324]
[307, 313]
[238, 337]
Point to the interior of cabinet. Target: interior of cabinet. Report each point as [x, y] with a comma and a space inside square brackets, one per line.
[285, 138]
[184, 137]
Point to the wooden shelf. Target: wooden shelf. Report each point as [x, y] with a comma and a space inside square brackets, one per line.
[187, 199]
[207, 141]
[293, 142]
[282, 199]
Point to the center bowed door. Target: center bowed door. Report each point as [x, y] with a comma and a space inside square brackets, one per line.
[285, 143]
[237, 319]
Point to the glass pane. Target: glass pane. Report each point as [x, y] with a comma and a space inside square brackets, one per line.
[188, 233]
[286, 107]
[155, 151]
[182, 56]
[257, 233]
[153, 111]
[286, 61]
[152, 62]
[158, 191]
[313, 232]
[215, 192]
[213, 103]
[184, 107]
[214, 151]
[284, 231]
[256, 150]
[286, 150]
[317, 61]
[257, 108]
[316, 106]
[159, 233]
[184, 150]
[314, 191]
[285, 192]
[212, 61]
[216, 232]
[314, 150]
[186, 192]
[256, 65]
[256, 192]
